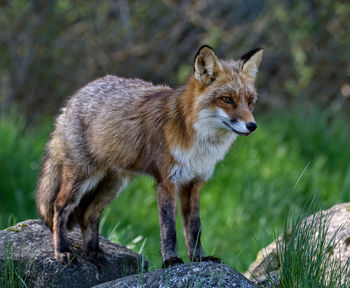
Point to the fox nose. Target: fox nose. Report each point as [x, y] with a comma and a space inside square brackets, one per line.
[251, 126]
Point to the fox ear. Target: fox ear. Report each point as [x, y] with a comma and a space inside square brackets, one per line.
[206, 65]
[250, 63]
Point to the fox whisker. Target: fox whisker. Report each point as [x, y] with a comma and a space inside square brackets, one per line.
[214, 117]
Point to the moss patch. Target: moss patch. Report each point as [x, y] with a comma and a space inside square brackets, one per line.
[347, 241]
[13, 229]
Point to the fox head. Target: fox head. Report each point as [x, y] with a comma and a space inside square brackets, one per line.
[224, 91]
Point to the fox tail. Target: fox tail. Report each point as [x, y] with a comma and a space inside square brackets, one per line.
[47, 188]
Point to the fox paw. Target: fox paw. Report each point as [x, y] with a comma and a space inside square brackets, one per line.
[207, 259]
[172, 262]
[65, 258]
[96, 256]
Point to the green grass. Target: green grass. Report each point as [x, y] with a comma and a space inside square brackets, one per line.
[242, 206]
[305, 253]
[21, 151]
[11, 271]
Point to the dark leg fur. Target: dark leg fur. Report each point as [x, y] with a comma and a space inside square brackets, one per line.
[173, 261]
[189, 199]
[91, 241]
[167, 214]
[104, 193]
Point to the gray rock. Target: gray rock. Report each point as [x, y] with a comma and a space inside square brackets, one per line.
[30, 245]
[201, 275]
[338, 219]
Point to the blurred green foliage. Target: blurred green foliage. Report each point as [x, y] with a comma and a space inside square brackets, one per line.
[20, 157]
[49, 49]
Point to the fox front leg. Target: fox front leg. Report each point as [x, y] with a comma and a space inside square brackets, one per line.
[189, 199]
[167, 196]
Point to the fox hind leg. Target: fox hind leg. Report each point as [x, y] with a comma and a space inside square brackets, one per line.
[104, 193]
[67, 199]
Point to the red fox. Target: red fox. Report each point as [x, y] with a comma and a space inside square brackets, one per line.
[114, 128]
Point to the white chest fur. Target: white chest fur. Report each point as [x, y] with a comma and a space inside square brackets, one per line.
[199, 161]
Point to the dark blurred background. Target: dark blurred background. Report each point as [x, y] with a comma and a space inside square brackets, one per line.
[48, 49]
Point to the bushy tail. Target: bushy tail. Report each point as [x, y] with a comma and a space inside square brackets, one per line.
[48, 186]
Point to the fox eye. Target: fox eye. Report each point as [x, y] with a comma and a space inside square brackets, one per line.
[250, 100]
[228, 100]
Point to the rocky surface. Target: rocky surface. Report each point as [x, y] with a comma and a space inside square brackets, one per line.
[30, 245]
[205, 274]
[338, 218]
